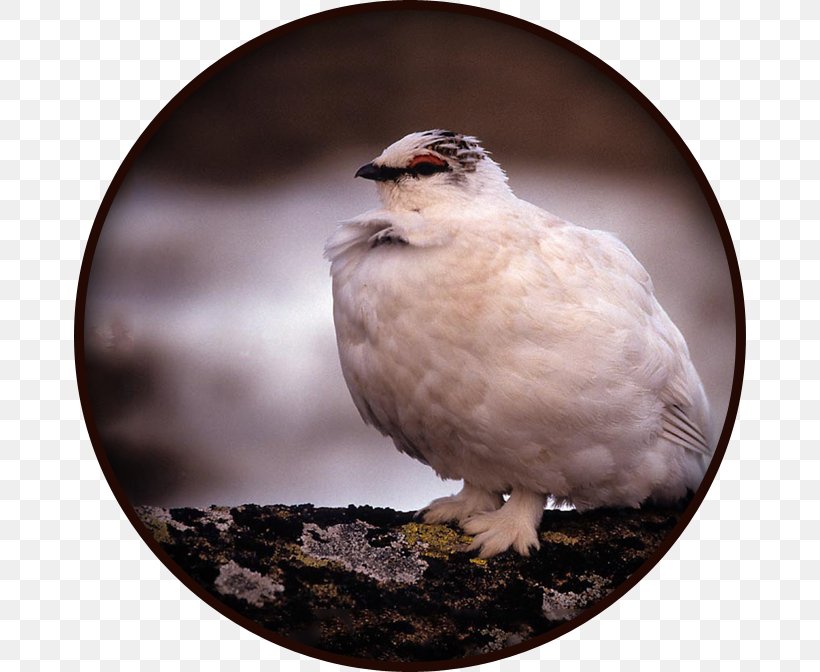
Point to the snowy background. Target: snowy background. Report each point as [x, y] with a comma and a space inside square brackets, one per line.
[211, 353]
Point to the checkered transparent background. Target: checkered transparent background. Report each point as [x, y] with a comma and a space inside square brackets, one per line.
[81, 80]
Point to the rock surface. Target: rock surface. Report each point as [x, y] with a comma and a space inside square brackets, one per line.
[380, 585]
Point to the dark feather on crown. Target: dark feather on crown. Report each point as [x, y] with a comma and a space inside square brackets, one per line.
[465, 149]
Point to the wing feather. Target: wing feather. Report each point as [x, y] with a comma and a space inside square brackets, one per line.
[681, 430]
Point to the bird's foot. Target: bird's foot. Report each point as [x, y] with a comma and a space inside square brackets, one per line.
[469, 502]
[514, 525]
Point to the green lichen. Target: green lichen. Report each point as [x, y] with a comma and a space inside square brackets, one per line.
[294, 552]
[159, 522]
[159, 531]
[560, 538]
[434, 541]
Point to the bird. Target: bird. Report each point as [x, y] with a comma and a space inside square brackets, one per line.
[508, 348]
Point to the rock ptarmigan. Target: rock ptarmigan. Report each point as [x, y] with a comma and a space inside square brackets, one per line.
[508, 348]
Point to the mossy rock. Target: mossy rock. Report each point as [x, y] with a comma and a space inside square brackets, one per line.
[379, 584]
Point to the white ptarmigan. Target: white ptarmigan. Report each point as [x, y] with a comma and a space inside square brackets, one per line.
[509, 348]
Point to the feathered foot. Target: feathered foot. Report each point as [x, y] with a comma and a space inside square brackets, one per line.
[514, 525]
[469, 502]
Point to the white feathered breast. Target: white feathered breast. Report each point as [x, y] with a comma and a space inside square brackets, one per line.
[509, 348]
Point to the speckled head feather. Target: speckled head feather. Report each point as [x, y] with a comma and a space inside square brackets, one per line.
[435, 168]
[464, 149]
[459, 150]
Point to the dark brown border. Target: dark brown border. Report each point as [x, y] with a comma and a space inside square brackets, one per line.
[410, 5]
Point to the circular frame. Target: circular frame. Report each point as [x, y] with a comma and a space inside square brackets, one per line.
[410, 6]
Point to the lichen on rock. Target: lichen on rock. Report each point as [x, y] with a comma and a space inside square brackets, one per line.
[435, 541]
[562, 606]
[247, 585]
[378, 584]
[159, 520]
[390, 561]
[219, 516]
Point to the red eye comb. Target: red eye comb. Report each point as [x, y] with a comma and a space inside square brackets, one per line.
[426, 158]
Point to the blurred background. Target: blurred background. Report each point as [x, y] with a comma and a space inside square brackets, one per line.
[210, 352]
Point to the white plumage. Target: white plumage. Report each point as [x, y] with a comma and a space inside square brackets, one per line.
[506, 347]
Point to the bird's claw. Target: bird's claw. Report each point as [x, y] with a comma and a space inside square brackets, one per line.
[471, 501]
[495, 533]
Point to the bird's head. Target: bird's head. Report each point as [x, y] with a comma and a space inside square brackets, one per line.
[434, 168]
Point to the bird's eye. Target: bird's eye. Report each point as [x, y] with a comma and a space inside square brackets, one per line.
[427, 168]
[427, 165]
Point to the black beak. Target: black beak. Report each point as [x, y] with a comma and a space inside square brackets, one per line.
[370, 171]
